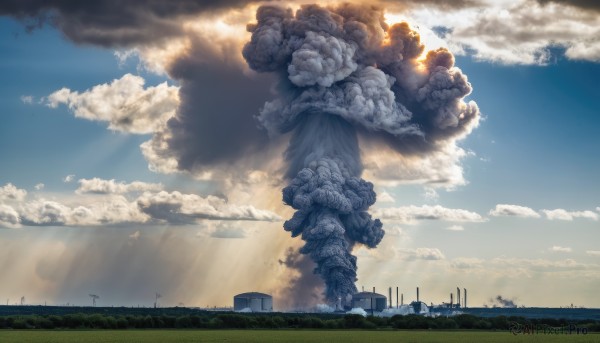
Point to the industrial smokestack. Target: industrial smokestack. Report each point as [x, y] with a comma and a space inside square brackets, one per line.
[402, 299]
[390, 296]
[457, 297]
[465, 297]
[451, 300]
[417, 294]
[397, 296]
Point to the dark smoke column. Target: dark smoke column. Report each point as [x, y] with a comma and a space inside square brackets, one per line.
[343, 72]
[330, 198]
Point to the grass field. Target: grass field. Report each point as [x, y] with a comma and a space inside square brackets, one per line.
[268, 336]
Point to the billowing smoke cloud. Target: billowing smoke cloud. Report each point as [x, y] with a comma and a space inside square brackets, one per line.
[500, 301]
[342, 73]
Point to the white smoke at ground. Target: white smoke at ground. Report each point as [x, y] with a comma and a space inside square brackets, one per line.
[357, 310]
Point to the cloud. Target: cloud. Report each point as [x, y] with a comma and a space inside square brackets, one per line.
[441, 168]
[135, 236]
[585, 4]
[514, 210]
[111, 23]
[560, 249]
[177, 208]
[593, 252]
[12, 193]
[113, 210]
[517, 31]
[384, 197]
[9, 218]
[467, 263]
[431, 194]
[100, 186]
[455, 228]
[411, 213]
[428, 254]
[39, 186]
[561, 214]
[124, 103]
[69, 178]
[27, 99]
[227, 231]
[113, 204]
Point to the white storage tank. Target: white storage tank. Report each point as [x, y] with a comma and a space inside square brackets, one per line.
[369, 301]
[253, 301]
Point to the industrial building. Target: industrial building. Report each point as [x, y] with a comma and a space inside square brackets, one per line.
[369, 301]
[253, 301]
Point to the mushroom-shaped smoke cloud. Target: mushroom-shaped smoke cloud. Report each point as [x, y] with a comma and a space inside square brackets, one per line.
[344, 72]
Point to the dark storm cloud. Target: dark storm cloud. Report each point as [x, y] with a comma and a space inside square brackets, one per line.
[584, 4]
[111, 23]
[215, 121]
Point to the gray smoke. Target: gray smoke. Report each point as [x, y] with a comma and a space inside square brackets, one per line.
[344, 72]
[499, 301]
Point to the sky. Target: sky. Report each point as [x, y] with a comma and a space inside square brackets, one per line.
[133, 162]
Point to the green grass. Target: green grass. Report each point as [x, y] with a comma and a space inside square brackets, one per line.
[268, 336]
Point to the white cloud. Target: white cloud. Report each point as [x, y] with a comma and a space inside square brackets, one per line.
[431, 194]
[124, 103]
[411, 213]
[135, 236]
[9, 218]
[514, 210]
[467, 263]
[116, 203]
[175, 207]
[110, 211]
[561, 214]
[100, 186]
[39, 186]
[27, 99]
[69, 178]
[593, 252]
[437, 169]
[228, 231]
[560, 249]
[11, 192]
[384, 197]
[455, 228]
[428, 254]
[516, 31]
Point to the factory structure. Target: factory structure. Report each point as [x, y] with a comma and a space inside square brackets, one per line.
[370, 302]
[253, 302]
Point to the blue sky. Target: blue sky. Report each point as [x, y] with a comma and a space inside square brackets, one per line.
[536, 147]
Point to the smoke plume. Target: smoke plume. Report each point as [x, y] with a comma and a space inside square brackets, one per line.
[343, 72]
[499, 301]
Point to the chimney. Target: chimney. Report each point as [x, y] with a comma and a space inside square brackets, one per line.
[417, 294]
[390, 294]
[451, 300]
[457, 297]
[465, 297]
[402, 299]
[396, 297]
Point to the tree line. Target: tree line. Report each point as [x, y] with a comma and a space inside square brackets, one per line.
[276, 321]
